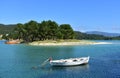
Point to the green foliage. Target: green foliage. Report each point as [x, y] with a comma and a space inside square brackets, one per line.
[6, 29]
[46, 30]
[85, 36]
[66, 31]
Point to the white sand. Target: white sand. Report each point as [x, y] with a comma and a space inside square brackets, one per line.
[102, 43]
[67, 43]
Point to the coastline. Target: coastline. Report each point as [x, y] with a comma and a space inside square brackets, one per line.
[66, 43]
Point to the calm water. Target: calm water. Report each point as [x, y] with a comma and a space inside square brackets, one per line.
[16, 61]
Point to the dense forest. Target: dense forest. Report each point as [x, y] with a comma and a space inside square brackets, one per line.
[5, 29]
[46, 30]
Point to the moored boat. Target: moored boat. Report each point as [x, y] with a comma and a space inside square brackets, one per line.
[69, 62]
[12, 42]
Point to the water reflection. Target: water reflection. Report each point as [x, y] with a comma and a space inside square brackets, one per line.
[52, 69]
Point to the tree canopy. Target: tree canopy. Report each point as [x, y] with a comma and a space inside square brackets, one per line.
[46, 30]
[66, 31]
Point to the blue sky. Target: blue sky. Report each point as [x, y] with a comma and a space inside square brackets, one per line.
[82, 15]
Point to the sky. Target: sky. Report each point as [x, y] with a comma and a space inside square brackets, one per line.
[82, 15]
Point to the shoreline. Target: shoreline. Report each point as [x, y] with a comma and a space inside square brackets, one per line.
[66, 43]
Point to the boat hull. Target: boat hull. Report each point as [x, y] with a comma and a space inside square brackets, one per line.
[12, 42]
[70, 62]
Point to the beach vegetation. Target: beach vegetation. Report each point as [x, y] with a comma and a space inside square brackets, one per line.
[46, 30]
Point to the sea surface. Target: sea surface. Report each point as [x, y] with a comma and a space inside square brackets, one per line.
[24, 61]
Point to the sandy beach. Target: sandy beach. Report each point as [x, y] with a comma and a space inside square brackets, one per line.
[68, 43]
[102, 43]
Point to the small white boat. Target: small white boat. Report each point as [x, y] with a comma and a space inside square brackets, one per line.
[69, 62]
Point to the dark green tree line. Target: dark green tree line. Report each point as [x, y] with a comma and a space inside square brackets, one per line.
[46, 30]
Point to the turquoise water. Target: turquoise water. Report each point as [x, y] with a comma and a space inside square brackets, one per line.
[17, 61]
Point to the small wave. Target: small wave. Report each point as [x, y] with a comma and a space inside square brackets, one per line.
[103, 43]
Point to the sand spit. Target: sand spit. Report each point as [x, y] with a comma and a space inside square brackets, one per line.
[54, 43]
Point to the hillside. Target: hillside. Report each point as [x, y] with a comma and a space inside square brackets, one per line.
[4, 29]
[80, 35]
[104, 33]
